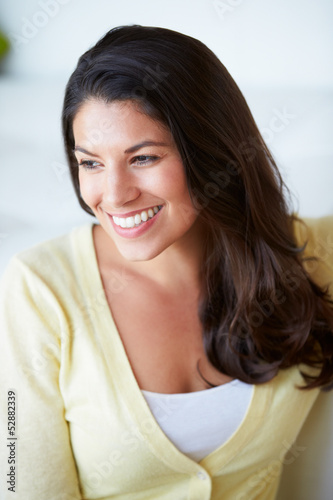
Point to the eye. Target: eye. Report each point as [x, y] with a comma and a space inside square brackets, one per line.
[144, 159]
[88, 164]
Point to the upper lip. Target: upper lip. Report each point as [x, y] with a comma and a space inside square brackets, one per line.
[134, 212]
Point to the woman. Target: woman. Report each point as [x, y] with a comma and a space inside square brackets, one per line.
[174, 349]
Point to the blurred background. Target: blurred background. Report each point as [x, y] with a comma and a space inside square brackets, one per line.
[279, 53]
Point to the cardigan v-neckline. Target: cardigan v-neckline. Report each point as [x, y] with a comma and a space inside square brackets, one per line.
[120, 370]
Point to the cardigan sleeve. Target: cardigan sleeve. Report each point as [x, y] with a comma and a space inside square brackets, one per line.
[36, 456]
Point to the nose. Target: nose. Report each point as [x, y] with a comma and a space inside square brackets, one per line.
[120, 187]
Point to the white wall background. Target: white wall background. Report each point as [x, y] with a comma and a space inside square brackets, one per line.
[279, 53]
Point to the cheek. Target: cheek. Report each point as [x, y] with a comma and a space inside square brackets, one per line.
[176, 187]
[90, 189]
[172, 183]
[181, 209]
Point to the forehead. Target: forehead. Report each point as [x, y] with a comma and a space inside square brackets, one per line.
[96, 118]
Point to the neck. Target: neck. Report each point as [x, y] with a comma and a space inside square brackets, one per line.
[178, 266]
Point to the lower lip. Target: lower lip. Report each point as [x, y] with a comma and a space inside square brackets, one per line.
[134, 232]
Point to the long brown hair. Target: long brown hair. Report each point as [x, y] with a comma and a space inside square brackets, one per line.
[259, 308]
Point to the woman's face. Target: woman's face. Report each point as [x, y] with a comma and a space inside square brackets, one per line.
[132, 177]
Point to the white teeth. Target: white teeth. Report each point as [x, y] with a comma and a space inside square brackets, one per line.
[138, 218]
[130, 222]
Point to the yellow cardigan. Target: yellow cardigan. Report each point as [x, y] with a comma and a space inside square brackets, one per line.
[83, 427]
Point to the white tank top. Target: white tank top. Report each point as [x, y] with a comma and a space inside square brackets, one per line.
[198, 423]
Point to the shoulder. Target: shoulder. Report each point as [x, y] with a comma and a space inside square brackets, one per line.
[316, 235]
[56, 248]
[52, 260]
[317, 232]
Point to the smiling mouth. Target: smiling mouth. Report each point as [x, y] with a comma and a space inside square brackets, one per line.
[137, 219]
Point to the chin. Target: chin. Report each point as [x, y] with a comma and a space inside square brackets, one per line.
[137, 254]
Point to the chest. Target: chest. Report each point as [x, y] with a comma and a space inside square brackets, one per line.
[162, 336]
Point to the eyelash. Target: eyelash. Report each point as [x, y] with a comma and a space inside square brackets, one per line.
[149, 159]
[88, 164]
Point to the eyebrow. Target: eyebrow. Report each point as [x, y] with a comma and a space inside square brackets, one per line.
[132, 149]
